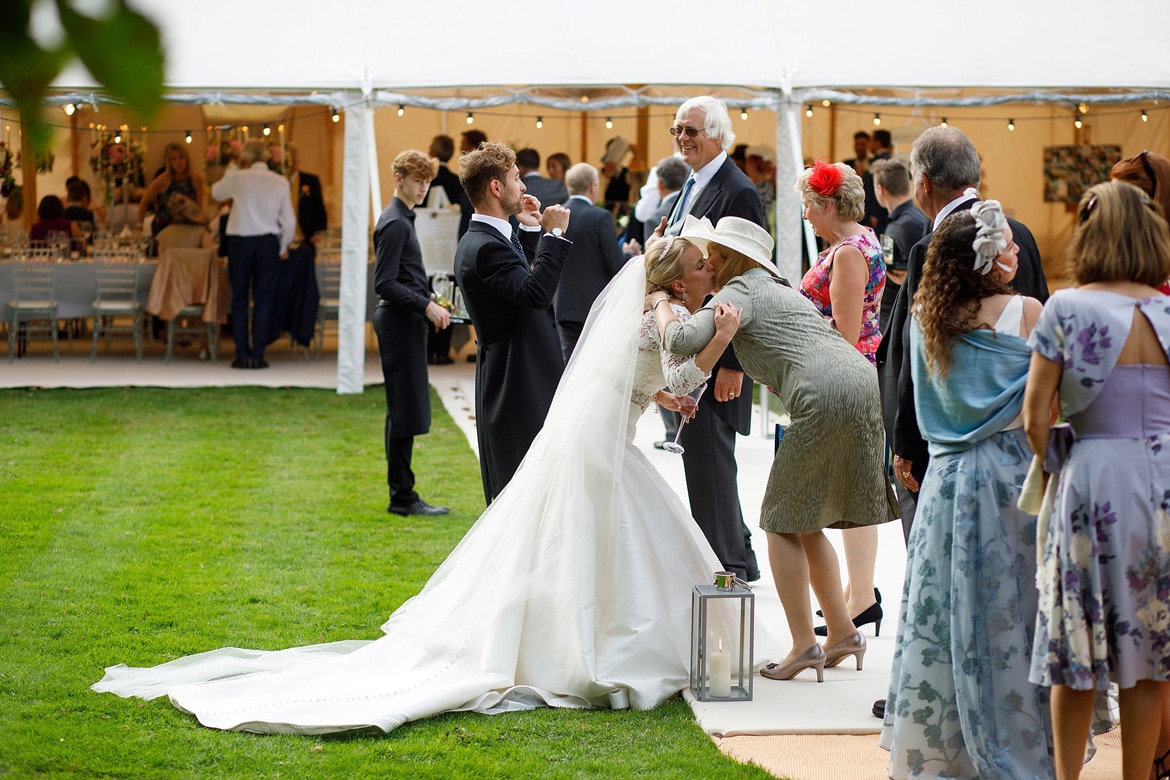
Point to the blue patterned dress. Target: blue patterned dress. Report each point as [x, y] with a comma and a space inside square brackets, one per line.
[960, 704]
[1104, 574]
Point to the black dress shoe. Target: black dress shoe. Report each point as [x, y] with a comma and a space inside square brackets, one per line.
[419, 507]
[879, 709]
[240, 363]
[258, 363]
[871, 615]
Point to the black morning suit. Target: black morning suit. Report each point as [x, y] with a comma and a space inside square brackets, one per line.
[594, 259]
[893, 353]
[518, 363]
[709, 439]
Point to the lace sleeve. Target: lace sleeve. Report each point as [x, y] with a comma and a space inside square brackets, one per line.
[682, 375]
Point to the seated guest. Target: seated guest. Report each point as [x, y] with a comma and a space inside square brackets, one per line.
[51, 218]
[169, 192]
[77, 202]
[14, 213]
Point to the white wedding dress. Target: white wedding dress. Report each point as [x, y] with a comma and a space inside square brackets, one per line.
[573, 589]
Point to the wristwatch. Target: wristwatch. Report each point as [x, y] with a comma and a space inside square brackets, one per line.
[557, 232]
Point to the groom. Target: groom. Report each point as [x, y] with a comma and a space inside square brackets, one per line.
[508, 281]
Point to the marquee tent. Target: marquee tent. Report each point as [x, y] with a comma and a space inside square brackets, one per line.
[775, 55]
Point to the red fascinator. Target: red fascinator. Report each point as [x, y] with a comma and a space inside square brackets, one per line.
[825, 179]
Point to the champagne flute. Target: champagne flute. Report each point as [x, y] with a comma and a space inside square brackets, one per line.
[674, 446]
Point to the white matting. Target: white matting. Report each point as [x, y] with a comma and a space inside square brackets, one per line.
[840, 705]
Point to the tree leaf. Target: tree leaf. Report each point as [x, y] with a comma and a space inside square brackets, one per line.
[122, 50]
[26, 70]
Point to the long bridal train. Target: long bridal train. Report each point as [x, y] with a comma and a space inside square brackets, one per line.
[571, 590]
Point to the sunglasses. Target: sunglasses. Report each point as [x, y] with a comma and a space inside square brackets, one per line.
[689, 132]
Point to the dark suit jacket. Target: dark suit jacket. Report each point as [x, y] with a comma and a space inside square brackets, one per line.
[519, 362]
[893, 355]
[311, 216]
[449, 182]
[593, 260]
[729, 194]
[549, 192]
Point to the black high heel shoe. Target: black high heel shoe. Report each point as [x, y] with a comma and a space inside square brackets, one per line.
[1162, 766]
[877, 596]
[873, 614]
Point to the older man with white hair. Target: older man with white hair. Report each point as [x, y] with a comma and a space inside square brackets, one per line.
[715, 189]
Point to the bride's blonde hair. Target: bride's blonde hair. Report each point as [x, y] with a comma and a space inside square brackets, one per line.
[664, 262]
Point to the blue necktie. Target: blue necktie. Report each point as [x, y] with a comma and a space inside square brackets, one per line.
[678, 212]
[518, 246]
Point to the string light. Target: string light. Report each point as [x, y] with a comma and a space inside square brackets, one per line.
[943, 123]
[609, 123]
[118, 137]
[1077, 123]
[1011, 125]
[280, 128]
[188, 134]
[1084, 109]
[267, 132]
[539, 122]
[1145, 116]
[743, 114]
[826, 103]
[470, 117]
[808, 110]
[336, 116]
[877, 119]
[69, 109]
[401, 109]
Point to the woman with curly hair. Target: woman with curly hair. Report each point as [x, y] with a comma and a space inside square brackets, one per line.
[846, 283]
[960, 704]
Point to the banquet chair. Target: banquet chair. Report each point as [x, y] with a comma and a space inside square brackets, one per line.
[329, 283]
[178, 326]
[116, 273]
[33, 308]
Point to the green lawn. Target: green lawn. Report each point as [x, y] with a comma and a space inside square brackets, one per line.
[140, 525]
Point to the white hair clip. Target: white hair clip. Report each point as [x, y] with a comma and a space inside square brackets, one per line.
[989, 240]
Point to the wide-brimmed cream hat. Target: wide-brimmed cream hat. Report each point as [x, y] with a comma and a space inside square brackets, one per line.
[736, 233]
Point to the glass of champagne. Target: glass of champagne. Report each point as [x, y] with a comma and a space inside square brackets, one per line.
[688, 405]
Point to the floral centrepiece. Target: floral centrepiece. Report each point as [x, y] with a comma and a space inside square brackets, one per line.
[114, 161]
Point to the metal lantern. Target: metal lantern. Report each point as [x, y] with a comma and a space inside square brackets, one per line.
[721, 666]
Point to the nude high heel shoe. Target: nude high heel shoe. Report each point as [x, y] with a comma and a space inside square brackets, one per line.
[813, 658]
[851, 645]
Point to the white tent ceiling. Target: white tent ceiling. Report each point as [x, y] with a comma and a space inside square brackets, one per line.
[769, 44]
[766, 54]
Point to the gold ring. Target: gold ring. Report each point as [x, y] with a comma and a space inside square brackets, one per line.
[906, 475]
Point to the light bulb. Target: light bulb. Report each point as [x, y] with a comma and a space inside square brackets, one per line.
[808, 110]
[539, 122]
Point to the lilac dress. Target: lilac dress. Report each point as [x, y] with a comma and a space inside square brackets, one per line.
[1104, 571]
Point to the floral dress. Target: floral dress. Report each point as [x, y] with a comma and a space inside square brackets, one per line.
[1104, 571]
[815, 287]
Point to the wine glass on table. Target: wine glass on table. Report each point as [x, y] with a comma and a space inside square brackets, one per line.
[688, 405]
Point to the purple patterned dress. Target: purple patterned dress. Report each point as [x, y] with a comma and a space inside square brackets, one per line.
[1104, 573]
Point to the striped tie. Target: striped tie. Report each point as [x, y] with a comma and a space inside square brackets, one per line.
[679, 206]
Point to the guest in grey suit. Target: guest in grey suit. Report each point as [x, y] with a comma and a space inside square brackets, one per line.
[716, 188]
[594, 258]
[548, 191]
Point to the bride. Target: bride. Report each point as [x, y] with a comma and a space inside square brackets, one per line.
[571, 590]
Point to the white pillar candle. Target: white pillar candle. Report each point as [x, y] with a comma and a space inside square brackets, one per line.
[720, 665]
